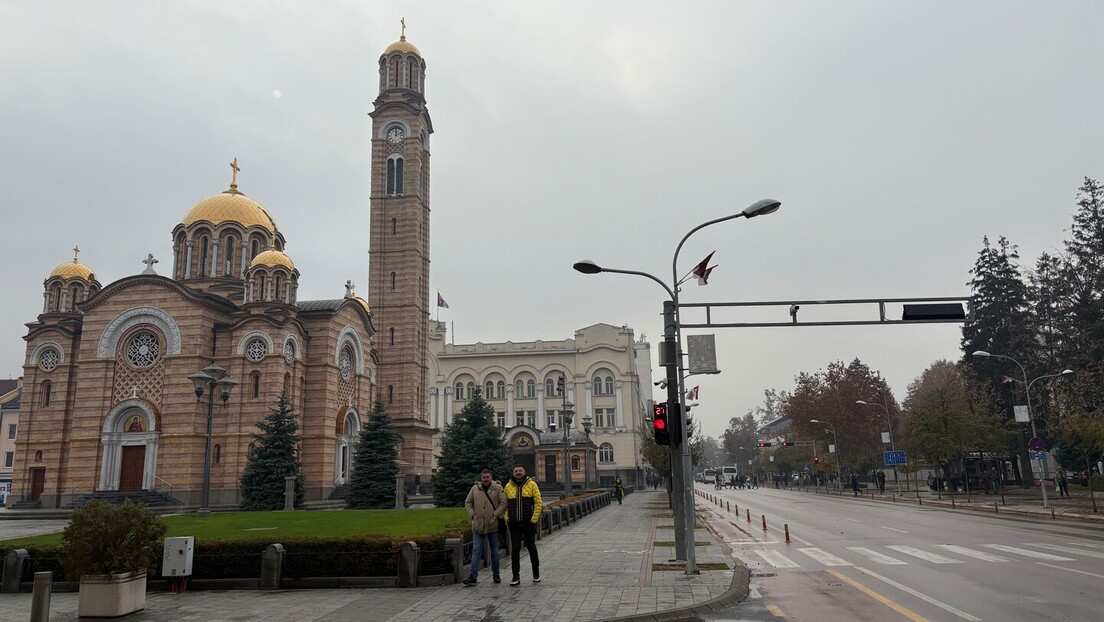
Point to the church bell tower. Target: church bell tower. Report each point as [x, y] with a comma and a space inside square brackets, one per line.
[398, 288]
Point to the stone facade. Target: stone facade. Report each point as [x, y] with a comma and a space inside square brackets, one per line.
[602, 369]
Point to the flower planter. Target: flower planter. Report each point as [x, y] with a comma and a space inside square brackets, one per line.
[111, 595]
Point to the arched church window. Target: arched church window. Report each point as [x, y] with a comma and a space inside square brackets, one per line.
[217, 454]
[391, 336]
[203, 256]
[143, 349]
[254, 248]
[252, 448]
[38, 456]
[255, 384]
[55, 298]
[74, 295]
[392, 280]
[390, 393]
[47, 388]
[394, 225]
[394, 175]
[287, 385]
[229, 256]
[345, 363]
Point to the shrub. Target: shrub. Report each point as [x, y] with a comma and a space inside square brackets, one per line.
[103, 539]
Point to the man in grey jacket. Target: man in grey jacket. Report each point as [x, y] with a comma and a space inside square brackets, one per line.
[486, 503]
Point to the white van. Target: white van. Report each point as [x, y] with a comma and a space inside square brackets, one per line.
[728, 474]
[709, 476]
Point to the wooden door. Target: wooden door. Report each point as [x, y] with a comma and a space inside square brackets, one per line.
[132, 467]
[38, 483]
[550, 468]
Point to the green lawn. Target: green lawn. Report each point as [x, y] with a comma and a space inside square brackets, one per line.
[235, 525]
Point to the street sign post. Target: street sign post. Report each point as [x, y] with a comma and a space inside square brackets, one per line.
[1038, 455]
[895, 458]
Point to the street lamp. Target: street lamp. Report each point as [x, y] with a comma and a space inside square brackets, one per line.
[832, 429]
[210, 379]
[677, 380]
[1030, 417]
[588, 425]
[892, 444]
[567, 412]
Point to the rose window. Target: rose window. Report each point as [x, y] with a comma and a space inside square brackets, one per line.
[143, 349]
[289, 352]
[49, 360]
[256, 350]
[345, 362]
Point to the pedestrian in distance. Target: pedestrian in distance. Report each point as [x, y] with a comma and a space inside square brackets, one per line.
[523, 502]
[1063, 483]
[881, 482]
[486, 504]
[855, 484]
[619, 487]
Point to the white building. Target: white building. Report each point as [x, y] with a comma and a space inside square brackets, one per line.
[606, 375]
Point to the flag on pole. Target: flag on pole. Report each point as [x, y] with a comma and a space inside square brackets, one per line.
[441, 301]
[692, 394]
[703, 269]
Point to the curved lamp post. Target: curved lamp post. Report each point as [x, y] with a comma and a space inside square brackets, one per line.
[1030, 416]
[832, 429]
[684, 477]
[211, 378]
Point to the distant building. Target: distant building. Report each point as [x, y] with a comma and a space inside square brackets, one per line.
[606, 376]
[10, 391]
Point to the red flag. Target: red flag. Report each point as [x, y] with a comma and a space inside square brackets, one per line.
[692, 394]
[703, 269]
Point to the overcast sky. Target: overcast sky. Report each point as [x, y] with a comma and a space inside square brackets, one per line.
[896, 135]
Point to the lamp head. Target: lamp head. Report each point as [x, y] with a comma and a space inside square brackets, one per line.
[587, 266]
[813, 421]
[1067, 372]
[863, 402]
[214, 371]
[225, 385]
[762, 207]
[200, 381]
[982, 353]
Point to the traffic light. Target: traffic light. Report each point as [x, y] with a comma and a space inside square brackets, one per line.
[764, 444]
[660, 424]
[786, 443]
[816, 459]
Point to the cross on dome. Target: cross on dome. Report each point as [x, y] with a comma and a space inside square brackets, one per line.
[234, 175]
[76, 251]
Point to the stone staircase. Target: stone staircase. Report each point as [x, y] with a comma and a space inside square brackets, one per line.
[149, 498]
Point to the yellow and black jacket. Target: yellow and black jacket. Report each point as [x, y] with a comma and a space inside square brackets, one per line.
[524, 502]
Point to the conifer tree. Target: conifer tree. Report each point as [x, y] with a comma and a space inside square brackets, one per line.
[375, 463]
[274, 457]
[470, 443]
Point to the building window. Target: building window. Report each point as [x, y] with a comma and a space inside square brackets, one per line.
[471, 390]
[519, 389]
[255, 247]
[394, 175]
[203, 256]
[609, 385]
[9, 459]
[531, 418]
[576, 463]
[287, 385]
[255, 384]
[345, 363]
[256, 350]
[391, 336]
[500, 417]
[49, 359]
[530, 388]
[392, 280]
[597, 385]
[252, 448]
[549, 387]
[605, 453]
[38, 456]
[11, 431]
[459, 390]
[143, 349]
[47, 389]
[549, 416]
[489, 390]
[217, 454]
[289, 352]
[501, 390]
[390, 393]
[604, 418]
[394, 225]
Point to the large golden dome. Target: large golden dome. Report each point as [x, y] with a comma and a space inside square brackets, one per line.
[402, 45]
[73, 270]
[230, 206]
[272, 259]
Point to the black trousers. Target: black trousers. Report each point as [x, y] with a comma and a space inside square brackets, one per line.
[526, 531]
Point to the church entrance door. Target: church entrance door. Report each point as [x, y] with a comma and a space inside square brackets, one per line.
[549, 468]
[38, 483]
[132, 468]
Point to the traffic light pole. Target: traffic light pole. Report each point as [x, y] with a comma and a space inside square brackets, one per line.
[678, 477]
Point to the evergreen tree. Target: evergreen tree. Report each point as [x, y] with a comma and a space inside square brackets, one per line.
[470, 443]
[1083, 278]
[274, 457]
[375, 463]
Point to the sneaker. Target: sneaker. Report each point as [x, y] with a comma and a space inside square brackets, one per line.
[536, 578]
[515, 581]
[497, 579]
[468, 582]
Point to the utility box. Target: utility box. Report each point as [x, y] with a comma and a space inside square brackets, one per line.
[177, 561]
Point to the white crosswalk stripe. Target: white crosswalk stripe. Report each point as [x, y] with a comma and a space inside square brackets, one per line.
[924, 555]
[776, 559]
[825, 557]
[1067, 549]
[1028, 553]
[982, 555]
[876, 556]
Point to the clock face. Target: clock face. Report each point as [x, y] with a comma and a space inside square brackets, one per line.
[395, 135]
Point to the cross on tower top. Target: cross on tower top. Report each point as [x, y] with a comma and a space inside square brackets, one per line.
[402, 37]
[149, 261]
[76, 251]
[234, 175]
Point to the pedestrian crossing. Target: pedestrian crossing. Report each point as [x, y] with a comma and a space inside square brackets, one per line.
[759, 556]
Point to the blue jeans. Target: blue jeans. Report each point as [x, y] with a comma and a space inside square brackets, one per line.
[477, 552]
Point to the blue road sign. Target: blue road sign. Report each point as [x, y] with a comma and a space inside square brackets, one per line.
[895, 458]
[1037, 455]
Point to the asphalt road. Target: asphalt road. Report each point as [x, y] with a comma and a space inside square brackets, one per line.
[855, 559]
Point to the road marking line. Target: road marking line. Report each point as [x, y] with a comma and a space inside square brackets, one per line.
[982, 555]
[801, 540]
[893, 529]
[1066, 549]
[1095, 546]
[924, 597]
[924, 555]
[1091, 574]
[1028, 553]
[851, 519]
[876, 556]
[776, 559]
[775, 611]
[908, 613]
[825, 557]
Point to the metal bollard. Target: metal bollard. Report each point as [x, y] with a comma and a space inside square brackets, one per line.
[996, 508]
[1052, 513]
[40, 599]
[952, 503]
[764, 522]
[729, 506]
[748, 515]
[787, 526]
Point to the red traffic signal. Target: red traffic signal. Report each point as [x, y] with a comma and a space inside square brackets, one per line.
[816, 459]
[660, 424]
[764, 444]
[786, 443]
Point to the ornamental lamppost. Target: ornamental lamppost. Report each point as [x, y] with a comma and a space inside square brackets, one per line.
[567, 413]
[588, 424]
[210, 379]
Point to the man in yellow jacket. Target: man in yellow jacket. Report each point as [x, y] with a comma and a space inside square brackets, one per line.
[523, 502]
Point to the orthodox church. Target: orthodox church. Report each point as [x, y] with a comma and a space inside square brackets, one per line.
[140, 384]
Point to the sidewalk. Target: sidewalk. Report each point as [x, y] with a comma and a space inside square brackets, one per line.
[597, 569]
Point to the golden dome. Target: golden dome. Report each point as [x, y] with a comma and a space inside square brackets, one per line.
[272, 259]
[73, 270]
[230, 206]
[402, 45]
[363, 303]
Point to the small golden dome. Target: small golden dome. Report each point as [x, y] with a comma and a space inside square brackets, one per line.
[363, 303]
[272, 259]
[402, 45]
[230, 206]
[73, 270]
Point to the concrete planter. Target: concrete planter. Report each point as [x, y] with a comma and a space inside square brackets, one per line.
[111, 595]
